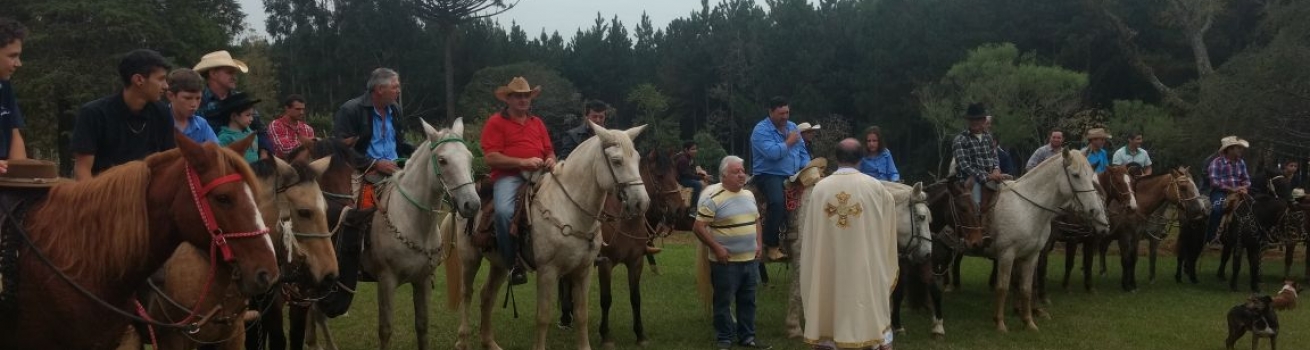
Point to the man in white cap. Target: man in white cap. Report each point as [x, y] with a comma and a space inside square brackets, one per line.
[514, 141]
[220, 72]
[1228, 176]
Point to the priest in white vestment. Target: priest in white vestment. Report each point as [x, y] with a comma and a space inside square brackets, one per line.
[848, 257]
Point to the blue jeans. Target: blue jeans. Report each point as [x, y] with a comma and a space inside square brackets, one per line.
[1216, 213]
[504, 192]
[734, 281]
[771, 188]
[696, 186]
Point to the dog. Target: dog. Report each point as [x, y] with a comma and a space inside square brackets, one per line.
[1257, 316]
[1286, 298]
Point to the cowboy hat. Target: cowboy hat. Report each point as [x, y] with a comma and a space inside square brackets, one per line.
[219, 59]
[518, 85]
[222, 114]
[809, 178]
[1230, 141]
[807, 127]
[976, 111]
[1298, 193]
[1094, 133]
[31, 173]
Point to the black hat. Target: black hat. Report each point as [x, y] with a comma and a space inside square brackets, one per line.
[976, 111]
[222, 114]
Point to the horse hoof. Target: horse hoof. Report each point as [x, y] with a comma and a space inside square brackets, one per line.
[459, 345]
[1033, 327]
[1043, 314]
[607, 346]
[1000, 327]
[794, 334]
[949, 288]
[900, 330]
[643, 343]
[564, 327]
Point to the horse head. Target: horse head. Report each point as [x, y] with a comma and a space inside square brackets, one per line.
[618, 169]
[913, 235]
[661, 178]
[1080, 185]
[451, 164]
[1118, 183]
[219, 211]
[1185, 192]
[304, 223]
[955, 210]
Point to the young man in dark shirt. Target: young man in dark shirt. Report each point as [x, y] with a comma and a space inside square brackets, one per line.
[128, 125]
[12, 34]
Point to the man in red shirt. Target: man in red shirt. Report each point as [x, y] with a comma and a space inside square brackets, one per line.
[514, 141]
[290, 130]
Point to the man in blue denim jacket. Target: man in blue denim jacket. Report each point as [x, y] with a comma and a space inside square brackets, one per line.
[777, 152]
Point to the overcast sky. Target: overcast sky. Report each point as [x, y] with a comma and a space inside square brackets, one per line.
[565, 16]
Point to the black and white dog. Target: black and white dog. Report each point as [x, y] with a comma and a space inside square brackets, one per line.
[1257, 316]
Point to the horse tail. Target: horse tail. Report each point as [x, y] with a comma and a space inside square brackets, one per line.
[454, 265]
[704, 286]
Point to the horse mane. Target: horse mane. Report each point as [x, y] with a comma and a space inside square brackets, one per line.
[331, 147]
[900, 192]
[90, 226]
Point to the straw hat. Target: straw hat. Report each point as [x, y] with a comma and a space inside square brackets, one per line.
[518, 85]
[807, 127]
[219, 59]
[1230, 141]
[808, 178]
[1096, 133]
[1298, 193]
[31, 173]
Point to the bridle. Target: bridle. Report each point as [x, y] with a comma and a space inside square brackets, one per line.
[916, 241]
[434, 160]
[1079, 206]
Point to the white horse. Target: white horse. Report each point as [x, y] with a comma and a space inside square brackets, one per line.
[403, 246]
[565, 239]
[1021, 222]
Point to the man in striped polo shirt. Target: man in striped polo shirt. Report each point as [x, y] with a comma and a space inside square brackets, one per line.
[728, 222]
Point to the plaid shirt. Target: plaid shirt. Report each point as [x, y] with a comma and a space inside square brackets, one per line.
[1228, 175]
[287, 137]
[974, 155]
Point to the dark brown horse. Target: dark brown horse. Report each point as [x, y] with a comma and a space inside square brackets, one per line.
[1115, 186]
[955, 226]
[94, 243]
[625, 243]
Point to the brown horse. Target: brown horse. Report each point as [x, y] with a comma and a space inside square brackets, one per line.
[625, 243]
[1115, 185]
[92, 244]
[1154, 193]
[289, 195]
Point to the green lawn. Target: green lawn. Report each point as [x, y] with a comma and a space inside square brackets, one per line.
[1163, 315]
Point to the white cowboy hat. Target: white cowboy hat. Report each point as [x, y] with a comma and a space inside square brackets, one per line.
[807, 127]
[1229, 141]
[219, 59]
[1298, 193]
[517, 85]
[1098, 133]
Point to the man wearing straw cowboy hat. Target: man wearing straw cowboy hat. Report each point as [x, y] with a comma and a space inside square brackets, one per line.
[1228, 177]
[514, 141]
[808, 132]
[220, 72]
[1095, 150]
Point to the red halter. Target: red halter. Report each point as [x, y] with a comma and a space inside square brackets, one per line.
[207, 214]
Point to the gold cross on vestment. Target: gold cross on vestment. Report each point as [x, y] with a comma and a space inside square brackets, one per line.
[843, 211]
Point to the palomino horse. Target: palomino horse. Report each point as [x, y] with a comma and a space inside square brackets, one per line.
[289, 196]
[914, 246]
[1020, 222]
[403, 246]
[89, 246]
[625, 243]
[565, 213]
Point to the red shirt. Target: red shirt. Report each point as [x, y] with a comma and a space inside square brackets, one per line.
[526, 140]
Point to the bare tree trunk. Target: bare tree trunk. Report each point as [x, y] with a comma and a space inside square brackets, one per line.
[1125, 42]
[450, 71]
[1199, 49]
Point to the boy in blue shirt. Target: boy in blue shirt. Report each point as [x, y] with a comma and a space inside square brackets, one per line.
[184, 90]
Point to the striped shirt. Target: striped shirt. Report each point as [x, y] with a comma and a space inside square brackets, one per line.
[732, 218]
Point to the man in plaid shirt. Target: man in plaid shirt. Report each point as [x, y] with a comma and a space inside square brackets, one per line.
[290, 130]
[1228, 176]
[975, 157]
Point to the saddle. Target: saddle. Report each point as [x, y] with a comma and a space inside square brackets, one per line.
[484, 235]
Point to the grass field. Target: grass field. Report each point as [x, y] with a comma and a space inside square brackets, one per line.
[1163, 315]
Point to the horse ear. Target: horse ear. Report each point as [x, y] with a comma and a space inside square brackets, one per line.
[243, 144]
[285, 171]
[634, 131]
[601, 132]
[918, 187]
[320, 166]
[192, 151]
[458, 127]
[428, 129]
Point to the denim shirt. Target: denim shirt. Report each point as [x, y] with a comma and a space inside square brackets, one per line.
[770, 153]
[880, 166]
[383, 144]
[1098, 159]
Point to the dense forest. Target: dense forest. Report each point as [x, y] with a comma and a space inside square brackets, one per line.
[1184, 72]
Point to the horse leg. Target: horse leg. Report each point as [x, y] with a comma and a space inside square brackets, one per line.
[634, 297]
[1224, 255]
[302, 331]
[581, 279]
[1105, 249]
[654, 268]
[1089, 255]
[955, 272]
[1027, 271]
[566, 304]
[318, 321]
[422, 289]
[1254, 255]
[1307, 261]
[1154, 246]
[605, 272]
[386, 289]
[898, 296]
[1070, 254]
[934, 291]
[794, 304]
[1039, 285]
[991, 279]
[271, 329]
[1128, 258]
[547, 277]
[1289, 249]
[1237, 267]
[496, 277]
[1005, 264]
